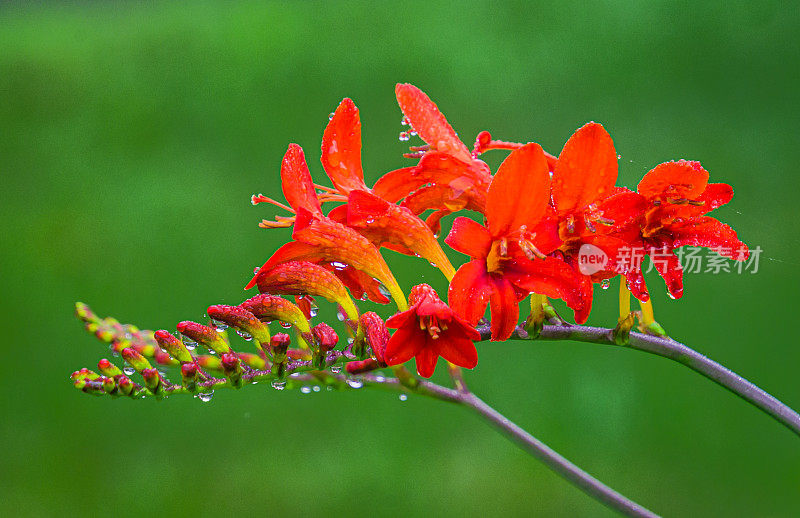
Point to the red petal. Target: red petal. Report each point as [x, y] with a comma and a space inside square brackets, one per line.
[623, 208]
[292, 251]
[404, 344]
[711, 233]
[469, 237]
[470, 290]
[586, 170]
[681, 179]
[669, 268]
[427, 357]
[360, 284]
[519, 192]
[298, 188]
[555, 278]
[458, 350]
[431, 125]
[504, 309]
[341, 148]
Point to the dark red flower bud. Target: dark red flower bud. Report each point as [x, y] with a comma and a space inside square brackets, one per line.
[152, 380]
[324, 336]
[280, 344]
[232, 366]
[377, 334]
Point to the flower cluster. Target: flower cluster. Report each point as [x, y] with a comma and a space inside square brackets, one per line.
[529, 223]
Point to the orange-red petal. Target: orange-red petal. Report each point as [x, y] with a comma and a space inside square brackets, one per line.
[681, 179]
[519, 192]
[469, 237]
[586, 170]
[298, 187]
[470, 290]
[341, 148]
[431, 125]
[504, 308]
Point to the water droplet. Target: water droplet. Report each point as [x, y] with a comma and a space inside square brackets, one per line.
[336, 369]
[619, 157]
[670, 295]
[403, 397]
[220, 326]
[338, 265]
[350, 340]
[370, 221]
[212, 352]
[190, 346]
[313, 310]
[384, 291]
[256, 269]
[244, 334]
[128, 336]
[295, 375]
[379, 377]
[279, 384]
[285, 325]
[605, 284]
[403, 136]
[356, 384]
[330, 116]
[434, 265]
[413, 132]
[129, 371]
[340, 315]
[305, 389]
[404, 121]
[315, 388]
[329, 388]
[205, 397]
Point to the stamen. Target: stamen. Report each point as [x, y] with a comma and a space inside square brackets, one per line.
[260, 198]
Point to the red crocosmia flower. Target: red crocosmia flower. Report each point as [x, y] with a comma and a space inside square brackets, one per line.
[679, 197]
[509, 254]
[430, 329]
[448, 175]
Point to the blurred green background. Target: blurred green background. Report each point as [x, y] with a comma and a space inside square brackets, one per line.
[132, 135]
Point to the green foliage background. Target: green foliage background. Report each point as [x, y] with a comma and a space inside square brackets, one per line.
[132, 134]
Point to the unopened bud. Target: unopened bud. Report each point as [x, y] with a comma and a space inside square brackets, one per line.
[109, 385]
[135, 359]
[232, 366]
[208, 336]
[189, 376]
[377, 335]
[325, 338]
[173, 346]
[107, 368]
[242, 319]
[360, 367]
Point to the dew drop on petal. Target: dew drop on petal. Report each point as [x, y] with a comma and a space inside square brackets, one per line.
[330, 116]
[129, 371]
[384, 291]
[245, 335]
[403, 136]
[285, 325]
[605, 284]
[338, 265]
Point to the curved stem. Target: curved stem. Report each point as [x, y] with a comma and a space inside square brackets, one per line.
[523, 439]
[584, 481]
[679, 352]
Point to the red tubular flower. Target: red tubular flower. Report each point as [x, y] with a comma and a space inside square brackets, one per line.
[509, 254]
[448, 176]
[430, 329]
[679, 197]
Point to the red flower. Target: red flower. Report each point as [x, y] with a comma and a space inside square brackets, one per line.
[509, 254]
[679, 197]
[430, 329]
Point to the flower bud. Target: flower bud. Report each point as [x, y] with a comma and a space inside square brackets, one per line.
[360, 367]
[107, 368]
[241, 319]
[208, 362]
[232, 366]
[125, 385]
[109, 385]
[173, 346]
[325, 338]
[152, 380]
[189, 376]
[135, 359]
[377, 335]
[272, 307]
[208, 336]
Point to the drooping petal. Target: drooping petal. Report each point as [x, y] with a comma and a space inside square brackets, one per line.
[427, 357]
[504, 308]
[381, 221]
[298, 187]
[711, 233]
[681, 179]
[359, 283]
[470, 290]
[669, 268]
[341, 148]
[404, 344]
[431, 125]
[458, 349]
[586, 170]
[519, 192]
[469, 237]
